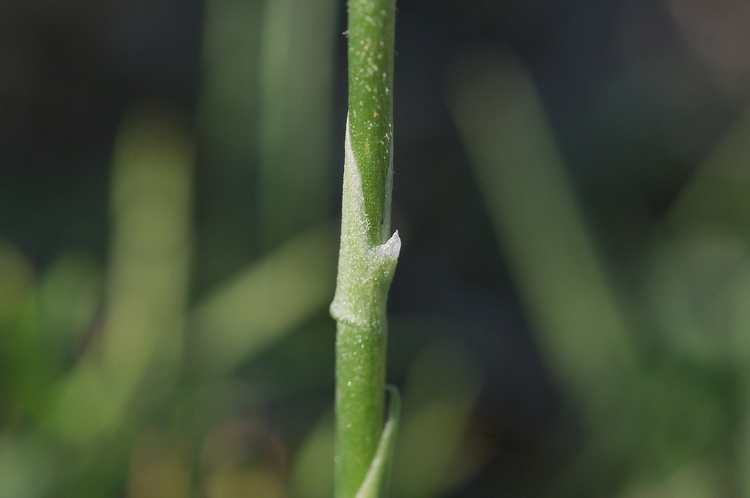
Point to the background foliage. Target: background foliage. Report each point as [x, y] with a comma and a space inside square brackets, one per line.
[570, 312]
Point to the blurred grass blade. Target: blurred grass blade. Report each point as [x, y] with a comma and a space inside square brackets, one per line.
[564, 284]
[52, 326]
[265, 301]
[705, 257]
[231, 46]
[16, 285]
[27, 466]
[147, 282]
[147, 286]
[698, 479]
[741, 322]
[296, 73]
[23, 355]
[440, 392]
[228, 125]
[709, 224]
[717, 193]
[69, 296]
[312, 470]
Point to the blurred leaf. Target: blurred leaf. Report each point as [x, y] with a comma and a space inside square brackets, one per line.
[146, 282]
[16, 283]
[231, 50]
[716, 195]
[440, 392]
[21, 345]
[265, 301]
[698, 479]
[27, 468]
[69, 295]
[703, 244]
[566, 289]
[701, 278]
[312, 471]
[228, 126]
[296, 74]
[689, 286]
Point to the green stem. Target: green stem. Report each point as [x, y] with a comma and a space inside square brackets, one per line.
[367, 257]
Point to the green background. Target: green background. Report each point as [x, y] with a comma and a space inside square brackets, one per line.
[569, 316]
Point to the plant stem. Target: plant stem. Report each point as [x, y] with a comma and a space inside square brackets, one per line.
[367, 257]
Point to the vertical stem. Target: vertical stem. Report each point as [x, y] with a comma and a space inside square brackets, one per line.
[367, 257]
[370, 53]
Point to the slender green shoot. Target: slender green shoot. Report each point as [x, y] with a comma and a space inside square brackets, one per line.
[368, 252]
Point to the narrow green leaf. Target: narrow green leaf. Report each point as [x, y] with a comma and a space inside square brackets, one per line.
[376, 480]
